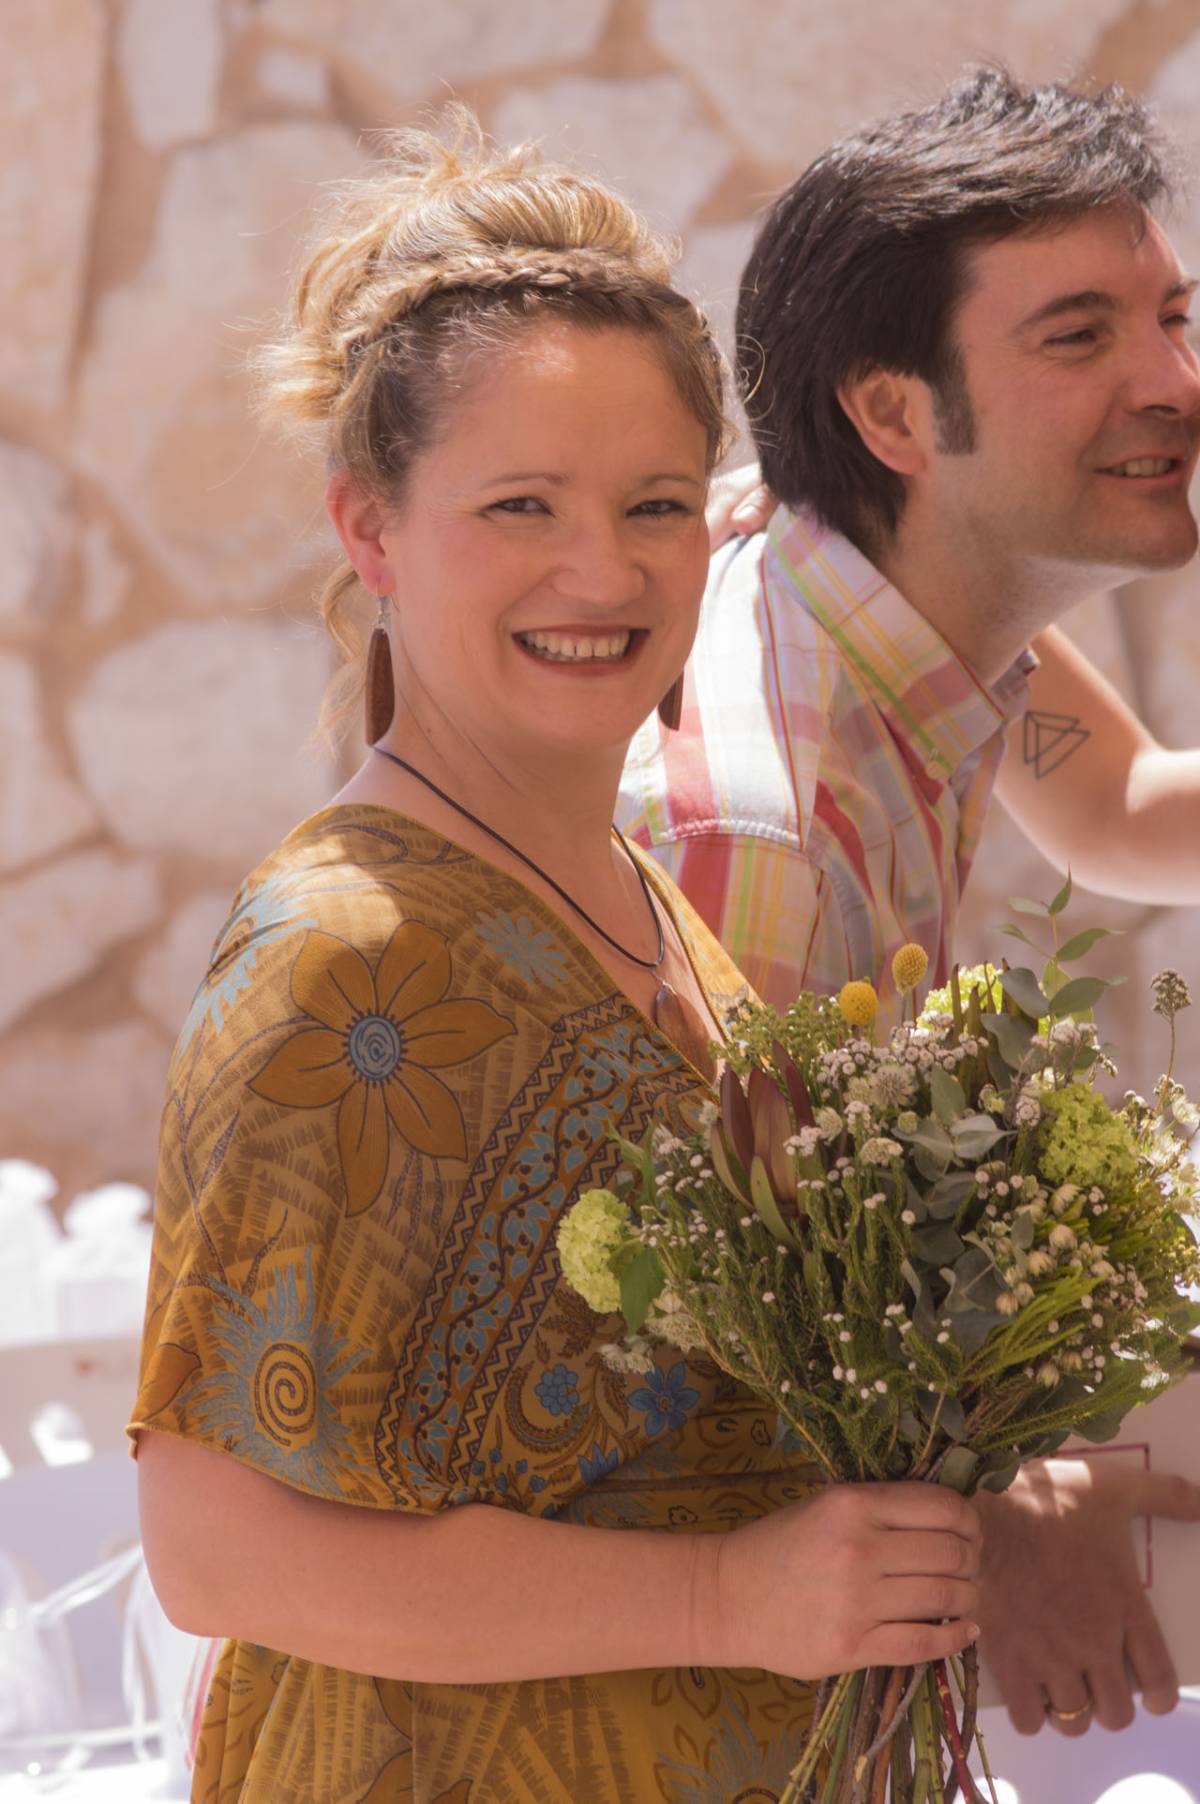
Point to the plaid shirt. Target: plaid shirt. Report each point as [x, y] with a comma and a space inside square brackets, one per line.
[823, 799]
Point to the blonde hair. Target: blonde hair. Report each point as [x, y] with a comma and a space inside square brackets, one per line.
[447, 247]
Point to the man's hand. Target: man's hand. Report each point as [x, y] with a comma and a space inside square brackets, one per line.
[738, 502]
[1067, 1625]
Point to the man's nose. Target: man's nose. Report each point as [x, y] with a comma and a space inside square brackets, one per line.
[1167, 379]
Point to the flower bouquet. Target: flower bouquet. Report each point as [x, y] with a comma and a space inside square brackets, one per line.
[936, 1256]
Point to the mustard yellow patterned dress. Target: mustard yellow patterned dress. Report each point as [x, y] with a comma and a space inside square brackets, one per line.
[399, 1070]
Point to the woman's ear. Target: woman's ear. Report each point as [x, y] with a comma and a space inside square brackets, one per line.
[886, 411]
[359, 523]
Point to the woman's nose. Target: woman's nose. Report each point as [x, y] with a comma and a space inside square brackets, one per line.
[600, 566]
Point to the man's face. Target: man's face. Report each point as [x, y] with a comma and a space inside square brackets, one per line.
[1085, 395]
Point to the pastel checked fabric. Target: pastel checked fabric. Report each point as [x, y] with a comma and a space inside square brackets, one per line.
[823, 799]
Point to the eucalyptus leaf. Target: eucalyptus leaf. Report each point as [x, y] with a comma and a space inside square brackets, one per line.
[1016, 933]
[1080, 994]
[975, 1135]
[1101, 1428]
[1023, 1229]
[931, 1135]
[641, 1281]
[1063, 897]
[1080, 943]
[998, 1478]
[946, 1094]
[937, 1243]
[959, 1468]
[1026, 992]
[971, 1327]
[1024, 906]
[952, 1419]
[1012, 1034]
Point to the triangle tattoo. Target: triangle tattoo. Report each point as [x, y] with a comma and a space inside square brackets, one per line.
[1050, 740]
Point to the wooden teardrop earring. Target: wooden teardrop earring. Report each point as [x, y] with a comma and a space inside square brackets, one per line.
[380, 688]
[670, 708]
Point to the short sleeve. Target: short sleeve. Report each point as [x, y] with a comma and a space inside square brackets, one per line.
[325, 1101]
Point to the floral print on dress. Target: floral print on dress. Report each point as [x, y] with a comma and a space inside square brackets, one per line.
[265, 914]
[666, 1398]
[377, 1038]
[528, 950]
[271, 1403]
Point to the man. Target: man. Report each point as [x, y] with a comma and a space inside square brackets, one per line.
[963, 350]
[964, 358]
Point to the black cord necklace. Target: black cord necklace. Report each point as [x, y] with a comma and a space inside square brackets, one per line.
[645, 964]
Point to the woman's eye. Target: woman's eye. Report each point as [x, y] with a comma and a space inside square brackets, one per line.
[517, 504]
[660, 509]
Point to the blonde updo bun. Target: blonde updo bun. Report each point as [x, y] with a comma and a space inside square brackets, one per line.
[446, 247]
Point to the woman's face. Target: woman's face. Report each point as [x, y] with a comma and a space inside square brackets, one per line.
[550, 552]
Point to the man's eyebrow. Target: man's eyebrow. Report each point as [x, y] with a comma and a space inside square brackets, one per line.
[1095, 300]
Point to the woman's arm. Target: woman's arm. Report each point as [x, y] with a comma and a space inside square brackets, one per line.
[478, 1594]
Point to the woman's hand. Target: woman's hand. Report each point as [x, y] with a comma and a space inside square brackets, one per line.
[859, 1575]
[738, 502]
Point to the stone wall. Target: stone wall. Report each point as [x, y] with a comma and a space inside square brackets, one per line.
[159, 667]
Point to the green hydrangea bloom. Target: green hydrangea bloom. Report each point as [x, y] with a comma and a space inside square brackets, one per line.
[1084, 1141]
[589, 1237]
[970, 977]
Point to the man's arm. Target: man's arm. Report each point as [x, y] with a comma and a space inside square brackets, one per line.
[1088, 783]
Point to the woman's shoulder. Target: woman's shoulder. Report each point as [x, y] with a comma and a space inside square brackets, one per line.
[336, 892]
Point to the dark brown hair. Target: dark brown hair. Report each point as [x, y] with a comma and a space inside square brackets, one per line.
[862, 263]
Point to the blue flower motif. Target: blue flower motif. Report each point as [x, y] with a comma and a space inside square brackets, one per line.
[597, 1465]
[665, 1397]
[271, 1402]
[266, 914]
[556, 1391]
[529, 950]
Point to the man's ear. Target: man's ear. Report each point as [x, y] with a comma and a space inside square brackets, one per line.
[885, 410]
[359, 524]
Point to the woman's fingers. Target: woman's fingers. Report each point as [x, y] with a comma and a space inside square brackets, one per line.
[913, 1643]
[925, 1599]
[933, 1551]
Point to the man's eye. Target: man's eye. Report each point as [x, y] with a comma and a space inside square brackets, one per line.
[1180, 320]
[1086, 335]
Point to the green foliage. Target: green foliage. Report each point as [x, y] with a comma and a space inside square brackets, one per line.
[937, 1256]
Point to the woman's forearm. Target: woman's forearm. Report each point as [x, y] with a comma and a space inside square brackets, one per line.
[472, 1595]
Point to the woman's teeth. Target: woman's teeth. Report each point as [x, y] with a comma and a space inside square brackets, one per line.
[569, 648]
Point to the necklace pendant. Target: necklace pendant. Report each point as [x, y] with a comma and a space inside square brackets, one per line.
[681, 1024]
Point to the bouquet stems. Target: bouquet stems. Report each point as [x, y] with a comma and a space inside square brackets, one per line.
[881, 1724]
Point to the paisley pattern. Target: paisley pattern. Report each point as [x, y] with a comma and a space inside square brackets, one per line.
[366, 1150]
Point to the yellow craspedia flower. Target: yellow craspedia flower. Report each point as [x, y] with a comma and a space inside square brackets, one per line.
[909, 967]
[589, 1236]
[858, 1002]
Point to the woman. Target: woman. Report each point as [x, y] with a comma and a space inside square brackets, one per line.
[379, 1446]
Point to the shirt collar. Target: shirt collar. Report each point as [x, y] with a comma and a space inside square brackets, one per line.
[930, 699]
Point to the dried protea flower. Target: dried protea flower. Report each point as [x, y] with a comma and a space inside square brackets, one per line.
[1170, 993]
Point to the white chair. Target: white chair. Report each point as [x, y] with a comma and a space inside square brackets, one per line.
[91, 1660]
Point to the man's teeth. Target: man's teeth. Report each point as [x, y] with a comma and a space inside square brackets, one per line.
[1144, 466]
[567, 648]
